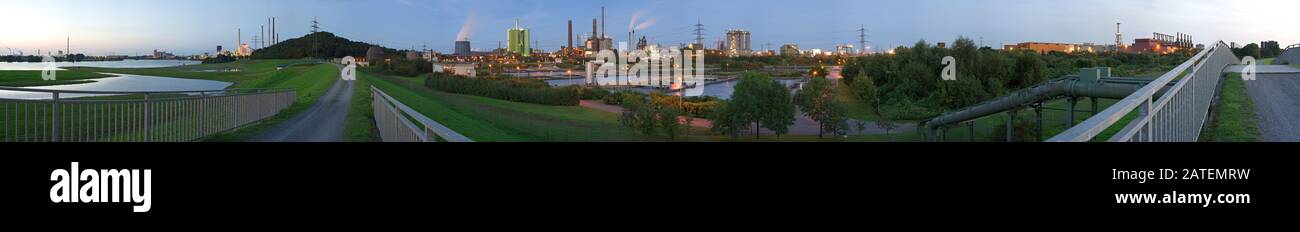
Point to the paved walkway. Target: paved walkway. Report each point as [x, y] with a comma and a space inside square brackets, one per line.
[1266, 69]
[1277, 102]
[323, 122]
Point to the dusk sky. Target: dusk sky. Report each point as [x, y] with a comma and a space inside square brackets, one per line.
[185, 27]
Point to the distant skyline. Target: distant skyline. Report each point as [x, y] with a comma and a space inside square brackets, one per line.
[131, 27]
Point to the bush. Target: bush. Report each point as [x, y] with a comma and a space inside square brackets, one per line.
[406, 67]
[620, 97]
[590, 93]
[219, 59]
[509, 89]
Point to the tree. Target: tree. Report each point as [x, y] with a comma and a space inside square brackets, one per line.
[1270, 49]
[764, 102]
[865, 89]
[727, 120]
[1250, 50]
[884, 123]
[817, 101]
[639, 114]
[668, 123]
[1030, 70]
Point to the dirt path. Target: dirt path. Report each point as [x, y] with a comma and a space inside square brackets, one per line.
[323, 122]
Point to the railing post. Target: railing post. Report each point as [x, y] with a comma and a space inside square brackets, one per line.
[1069, 111]
[1144, 112]
[1038, 112]
[1011, 128]
[147, 117]
[971, 124]
[202, 98]
[54, 122]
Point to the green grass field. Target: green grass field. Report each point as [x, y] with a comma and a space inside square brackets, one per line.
[310, 80]
[1234, 115]
[492, 120]
[14, 78]
[361, 118]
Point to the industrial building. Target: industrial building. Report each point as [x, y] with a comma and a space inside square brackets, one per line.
[456, 68]
[517, 41]
[789, 50]
[1041, 47]
[737, 43]
[1162, 44]
[462, 48]
[598, 41]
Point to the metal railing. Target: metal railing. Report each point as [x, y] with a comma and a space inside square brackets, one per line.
[399, 123]
[1176, 116]
[163, 116]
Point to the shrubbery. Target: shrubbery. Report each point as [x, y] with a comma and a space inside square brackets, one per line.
[509, 89]
[907, 83]
[219, 59]
[405, 67]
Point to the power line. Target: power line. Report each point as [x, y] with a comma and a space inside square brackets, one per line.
[315, 25]
[862, 38]
[699, 32]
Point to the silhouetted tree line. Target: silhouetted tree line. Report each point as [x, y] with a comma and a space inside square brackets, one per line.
[317, 45]
[1262, 50]
[64, 58]
[221, 58]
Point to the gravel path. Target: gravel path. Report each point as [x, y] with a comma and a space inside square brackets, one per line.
[323, 122]
[1277, 102]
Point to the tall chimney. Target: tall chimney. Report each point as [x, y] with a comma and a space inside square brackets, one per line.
[602, 21]
[275, 39]
[570, 35]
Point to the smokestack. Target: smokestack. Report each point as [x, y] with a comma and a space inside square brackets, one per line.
[275, 35]
[602, 21]
[261, 42]
[570, 35]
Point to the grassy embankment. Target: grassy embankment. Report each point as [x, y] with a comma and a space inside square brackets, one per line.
[310, 80]
[24, 78]
[491, 120]
[1234, 114]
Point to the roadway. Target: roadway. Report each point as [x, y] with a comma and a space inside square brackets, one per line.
[1276, 93]
[323, 122]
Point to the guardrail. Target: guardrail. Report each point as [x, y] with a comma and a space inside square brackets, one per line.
[399, 123]
[1176, 116]
[162, 116]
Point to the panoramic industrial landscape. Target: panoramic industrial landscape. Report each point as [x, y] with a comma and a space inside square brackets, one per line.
[553, 79]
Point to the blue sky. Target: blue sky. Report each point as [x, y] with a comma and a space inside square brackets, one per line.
[129, 27]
